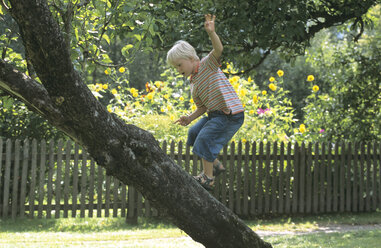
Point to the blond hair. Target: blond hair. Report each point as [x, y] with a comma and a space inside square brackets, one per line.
[181, 50]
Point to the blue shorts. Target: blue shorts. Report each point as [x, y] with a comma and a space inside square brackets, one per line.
[210, 134]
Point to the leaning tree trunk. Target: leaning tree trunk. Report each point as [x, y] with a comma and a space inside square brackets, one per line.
[127, 152]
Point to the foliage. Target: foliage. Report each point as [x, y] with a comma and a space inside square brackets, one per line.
[251, 29]
[108, 35]
[268, 111]
[17, 121]
[348, 105]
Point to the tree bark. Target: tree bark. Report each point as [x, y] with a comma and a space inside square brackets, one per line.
[127, 152]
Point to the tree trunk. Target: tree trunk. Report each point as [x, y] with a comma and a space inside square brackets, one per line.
[127, 152]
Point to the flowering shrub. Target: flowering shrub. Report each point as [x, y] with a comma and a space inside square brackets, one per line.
[268, 111]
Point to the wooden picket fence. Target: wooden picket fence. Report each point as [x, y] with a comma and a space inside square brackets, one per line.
[53, 180]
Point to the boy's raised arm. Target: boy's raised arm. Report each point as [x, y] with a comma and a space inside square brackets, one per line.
[210, 29]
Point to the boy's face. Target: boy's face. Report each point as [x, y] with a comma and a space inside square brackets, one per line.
[185, 67]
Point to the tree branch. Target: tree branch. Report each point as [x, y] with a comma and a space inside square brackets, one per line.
[29, 91]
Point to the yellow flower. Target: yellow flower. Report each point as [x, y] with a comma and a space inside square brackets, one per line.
[133, 91]
[107, 71]
[150, 96]
[244, 140]
[169, 107]
[114, 91]
[194, 107]
[280, 73]
[249, 80]
[251, 112]
[122, 69]
[191, 100]
[302, 128]
[234, 79]
[166, 96]
[264, 92]
[272, 87]
[162, 109]
[135, 94]
[255, 99]
[271, 79]
[242, 92]
[157, 84]
[310, 78]
[172, 118]
[181, 98]
[315, 88]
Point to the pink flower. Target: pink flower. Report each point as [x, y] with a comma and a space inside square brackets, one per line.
[260, 111]
[321, 131]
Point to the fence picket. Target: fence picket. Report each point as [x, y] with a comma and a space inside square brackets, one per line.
[302, 176]
[58, 180]
[33, 178]
[295, 184]
[274, 180]
[374, 178]
[15, 179]
[315, 188]
[253, 181]
[67, 179]
[75, 181]
[322, 199]
[23, 175]
[287, 209]
[238, 179]
[7, 177]
[267, 178]
[281, 185]
[231, 176]
[308, 180]
[361, 182]
[342, 170]
[83, 184]
[348, 180]
[41, 191]
[260, 180]
[336, 179]
[91, 187]
[355, 190]
[50, 179]
[246, 181]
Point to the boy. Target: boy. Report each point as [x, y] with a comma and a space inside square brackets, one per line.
[212, 93]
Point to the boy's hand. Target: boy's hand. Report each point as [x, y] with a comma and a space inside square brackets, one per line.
[183, 121]
[209, 23]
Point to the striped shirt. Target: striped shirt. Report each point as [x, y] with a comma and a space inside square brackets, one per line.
[211, 88]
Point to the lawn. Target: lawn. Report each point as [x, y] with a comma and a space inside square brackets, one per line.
[113, 232]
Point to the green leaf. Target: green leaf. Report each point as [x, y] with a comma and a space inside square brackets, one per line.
[126, 48]
[105, 36]
[138, 37]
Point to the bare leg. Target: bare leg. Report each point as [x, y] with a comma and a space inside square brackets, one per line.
[208, 168]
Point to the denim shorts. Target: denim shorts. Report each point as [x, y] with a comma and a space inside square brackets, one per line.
[211, 133]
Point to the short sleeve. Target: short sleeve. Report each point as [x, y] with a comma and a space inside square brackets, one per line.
[212, 62]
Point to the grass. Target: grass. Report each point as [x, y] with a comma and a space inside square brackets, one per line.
[114, 232]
